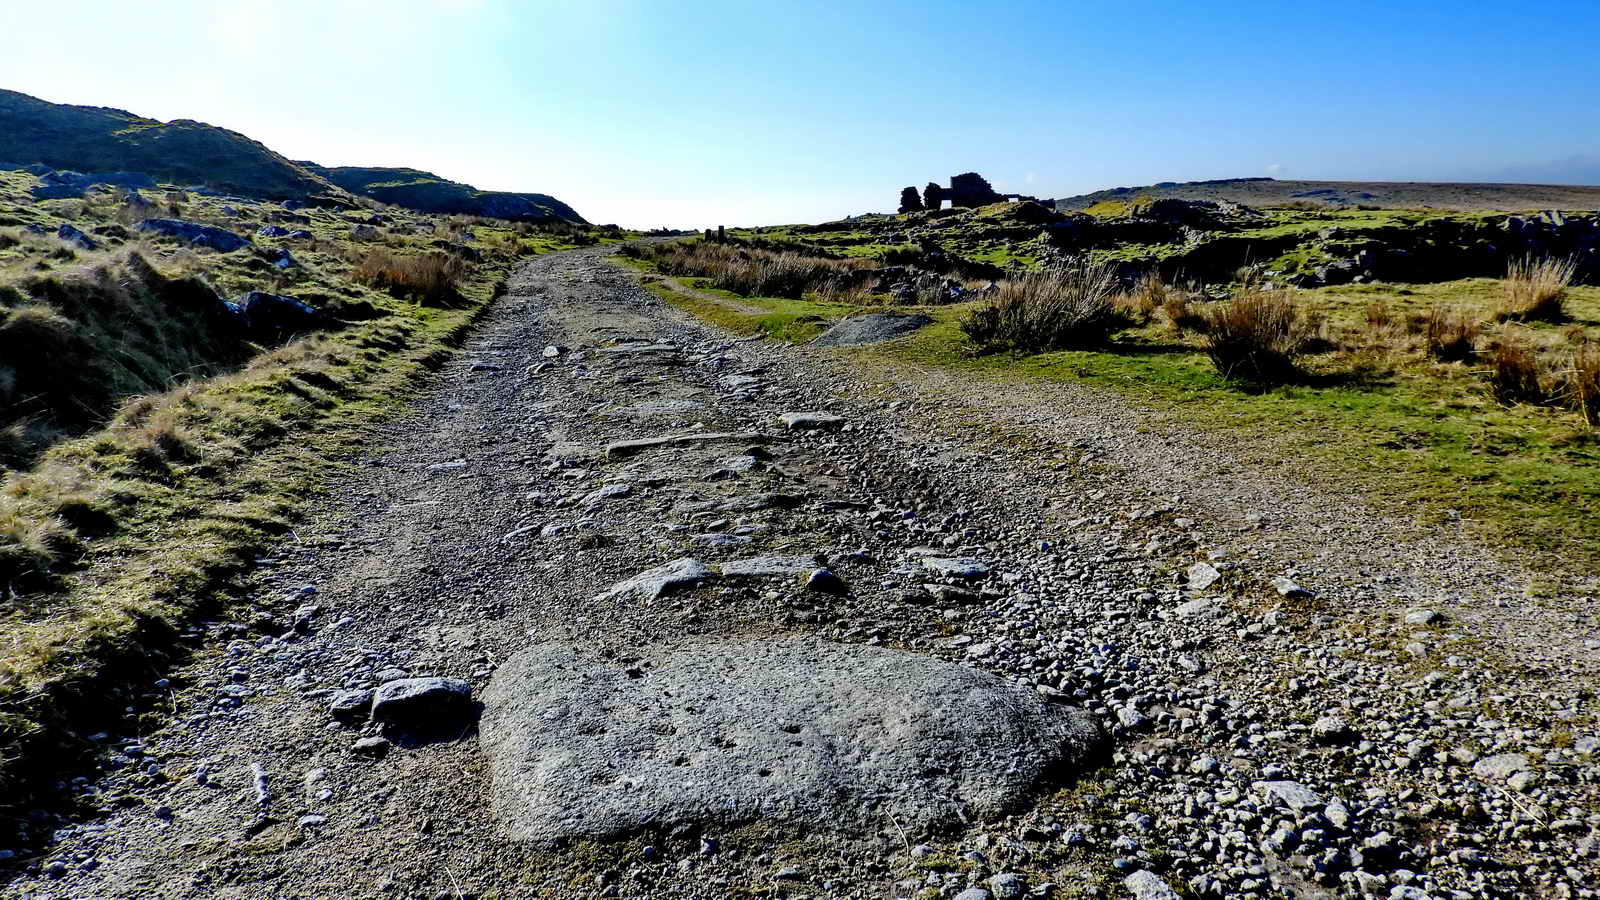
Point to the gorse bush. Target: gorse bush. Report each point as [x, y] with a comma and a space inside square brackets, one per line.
[752, 271]
[1535, 289]
[1051, 309]
[432, 278]
[1258, 336]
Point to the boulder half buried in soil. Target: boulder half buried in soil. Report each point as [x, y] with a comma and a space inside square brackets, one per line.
[872, 328]
[793, 729]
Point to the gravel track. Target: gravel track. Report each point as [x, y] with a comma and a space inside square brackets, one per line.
[1342, 744]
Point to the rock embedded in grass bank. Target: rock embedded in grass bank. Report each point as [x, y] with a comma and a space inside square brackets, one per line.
[792, 729]
[193, 233]
[872, 328]
[74, 238]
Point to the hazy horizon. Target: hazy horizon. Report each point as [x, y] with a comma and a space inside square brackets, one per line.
[722, 113]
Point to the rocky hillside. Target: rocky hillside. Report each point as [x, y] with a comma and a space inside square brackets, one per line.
[100, 139]
[1207, 241]
[123, 148]
[1381, 194]
[427, 192]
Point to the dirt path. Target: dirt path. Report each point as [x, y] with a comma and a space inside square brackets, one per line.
[1266, 746]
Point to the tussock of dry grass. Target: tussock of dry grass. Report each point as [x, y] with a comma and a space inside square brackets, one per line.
[1051, 309]
[1258, 336]
[752, 271]
[1182, 315]
[432, 279]
[1149, 294]
[1450, 334]
[1535, 289]
[1585, 390]
[1515, 373]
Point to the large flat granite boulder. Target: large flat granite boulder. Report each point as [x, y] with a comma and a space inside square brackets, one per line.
[791, 729]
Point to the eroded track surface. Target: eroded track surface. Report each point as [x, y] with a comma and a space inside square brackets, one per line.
[1264, 745]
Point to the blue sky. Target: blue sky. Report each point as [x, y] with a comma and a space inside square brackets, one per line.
[718, 112]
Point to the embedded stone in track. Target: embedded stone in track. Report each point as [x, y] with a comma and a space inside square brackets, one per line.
[660, 409]
[624, 449]
[811, 421]
[793, 729]
[769, 567]
[652, 584]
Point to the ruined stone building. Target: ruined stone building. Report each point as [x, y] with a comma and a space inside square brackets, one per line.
[966, 191]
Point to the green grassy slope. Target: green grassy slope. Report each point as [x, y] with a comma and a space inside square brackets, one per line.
[98, 139]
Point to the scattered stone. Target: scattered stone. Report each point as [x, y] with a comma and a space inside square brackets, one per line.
[1500, 767]
[258, 779]
[1421, 617]
[1147, 885]
[956, 567]
[1200, 609]
[422, 704]
[1286, 587]
[1292, 794]
[609, 492]
[1330, 730]
[371, 746]
[791, 729]
[272, 317]
[824, 581]
[1008, 886]
[350, 706]
[1202, 576]
[720, 540]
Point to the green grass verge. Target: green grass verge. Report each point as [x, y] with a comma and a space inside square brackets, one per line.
[153, 514]
[1414, 437]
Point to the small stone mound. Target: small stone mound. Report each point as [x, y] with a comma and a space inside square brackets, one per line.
[872, 328]
[794, 730]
